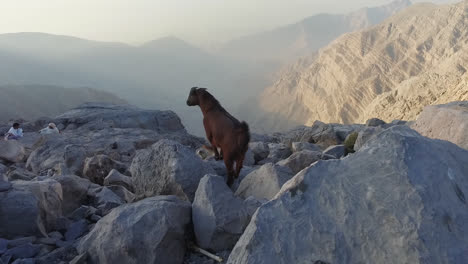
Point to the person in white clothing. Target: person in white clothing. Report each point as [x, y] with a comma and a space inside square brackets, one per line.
[14, 133]
[50, 129]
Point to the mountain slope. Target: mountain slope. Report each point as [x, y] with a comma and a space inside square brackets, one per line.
[415, 58]
[290, 42]
[34, 101]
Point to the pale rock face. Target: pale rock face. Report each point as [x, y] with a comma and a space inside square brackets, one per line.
[394, 193]
[300, 160]
[265, 182]
[149, 231]
[168, 168]
[416, 58]
[30, 208]
[11, 150]
[447, 122]
[219, 218]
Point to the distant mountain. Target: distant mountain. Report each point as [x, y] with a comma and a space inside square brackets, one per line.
[415, 58]
[285, 44]
[33, 101]
[157, 74]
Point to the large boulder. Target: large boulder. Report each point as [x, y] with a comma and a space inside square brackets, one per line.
[264, 182]
[300, 160]
[375, 122]
[219, 218]
[95, 129]
[260, 150]
[49, 194]
[75, 191]
[447, 122]
[277, 152]
[365, 135]
[116, 178]
[168, 168]
[30, 208]
[11, 151]
[98, 167]
[300, 146]
[337, 151]
[105, 200]
[96, 116]
[149, 231]
[401, 198]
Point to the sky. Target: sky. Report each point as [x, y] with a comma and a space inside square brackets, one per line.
[202, 22]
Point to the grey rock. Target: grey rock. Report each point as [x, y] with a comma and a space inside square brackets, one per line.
[300, 160]
[300, 146]
[393, 194]
[278, 151]
[5, 186]
[151, 231]
[3, 245]
[219, 218]
[49, 195]
[94, 218]
[11, 151]
[260, 150]
[319, 133]
[375, 122]
[24, 251]
[30, 208]
[106, 200]
[116, 178]
[3, 169]
[80, 259]
[122, 192]
[91, 136]
[249, 159]
[366, 135]
[20, 214]
[56, 235]
[82, 212]
[24, 261]
[446, 122]
[75, 190]
[58, 256]
[47, 241]
[21, 241]
[98, 167]
[17, 173]
[97, 116]
[167, 168]
[337, 151]
[264, 182]
[76, 230]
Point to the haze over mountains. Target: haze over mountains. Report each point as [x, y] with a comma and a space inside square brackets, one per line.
[159, 73]
[416, 58]
[290, 42]
[35, 101]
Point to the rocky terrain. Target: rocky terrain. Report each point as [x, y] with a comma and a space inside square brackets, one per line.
[126, 185]
[415, 58]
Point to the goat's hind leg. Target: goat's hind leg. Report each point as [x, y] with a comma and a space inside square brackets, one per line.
[239, 165]
[230, 171]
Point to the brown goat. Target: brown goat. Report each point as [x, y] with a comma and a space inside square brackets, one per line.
[222, 131]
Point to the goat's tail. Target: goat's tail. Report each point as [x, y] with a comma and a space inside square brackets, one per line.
[243, 137]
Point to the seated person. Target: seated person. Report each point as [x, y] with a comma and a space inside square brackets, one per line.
[14, 133]
[50, 129]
